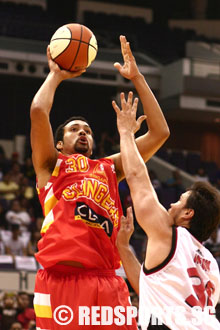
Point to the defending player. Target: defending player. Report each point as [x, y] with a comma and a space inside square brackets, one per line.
[80, 200]
[179, 281]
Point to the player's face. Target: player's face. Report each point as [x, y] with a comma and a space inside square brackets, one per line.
[77, 138]
[177, 210]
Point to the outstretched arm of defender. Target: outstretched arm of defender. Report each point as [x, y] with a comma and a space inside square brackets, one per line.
[158, 130]
[150, 214]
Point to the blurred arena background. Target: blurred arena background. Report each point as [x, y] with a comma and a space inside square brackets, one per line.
[177, 47]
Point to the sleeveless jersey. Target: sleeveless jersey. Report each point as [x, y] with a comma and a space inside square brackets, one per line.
[82, 209]
[188, 277]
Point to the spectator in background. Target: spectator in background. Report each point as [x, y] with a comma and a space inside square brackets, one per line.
[14, 245]
[16, 215]
[27, 205]
[201, 175]
[8, 188]
[7, 311]
[2, 246]
[32, 325]
[3, 222]
[25, 313]
[32, 244]
[28, 170]
[14, 158]
[16, 175]
[175, 182]
[26, 190]
[16, 326]
[37, 225]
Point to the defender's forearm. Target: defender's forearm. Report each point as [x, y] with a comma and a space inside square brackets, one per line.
[131, 266]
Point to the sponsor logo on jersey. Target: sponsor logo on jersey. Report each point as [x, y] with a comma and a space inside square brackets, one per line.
[91, 218]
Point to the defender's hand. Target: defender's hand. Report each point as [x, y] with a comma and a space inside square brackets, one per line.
[126, 117]
[126, 229]
[129, 69]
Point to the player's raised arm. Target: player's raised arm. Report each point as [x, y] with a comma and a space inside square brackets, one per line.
[44, 154]
[158, 130]
[150, 214]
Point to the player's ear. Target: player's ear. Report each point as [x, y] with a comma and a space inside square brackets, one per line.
[188, 214]
[186, 217]
[59, 145]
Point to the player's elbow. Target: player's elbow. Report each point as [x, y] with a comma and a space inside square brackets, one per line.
[161, 137]
[165, 133]
[36, 111]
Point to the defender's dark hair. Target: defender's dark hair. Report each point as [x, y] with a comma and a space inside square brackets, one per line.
[205, 201]
[58, 136]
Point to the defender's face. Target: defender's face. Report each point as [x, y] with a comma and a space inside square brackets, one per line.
[77, 138]
[177, 209]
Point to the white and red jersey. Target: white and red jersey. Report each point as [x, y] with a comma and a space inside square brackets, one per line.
[82, 209]
[188, 277]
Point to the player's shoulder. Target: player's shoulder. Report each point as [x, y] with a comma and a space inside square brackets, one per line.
[183, 231]
[107, 160]
[186, 238]
[189, 240]
[185, 234]
[107, 163]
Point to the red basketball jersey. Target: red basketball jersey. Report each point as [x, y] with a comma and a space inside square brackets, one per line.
[82, 209]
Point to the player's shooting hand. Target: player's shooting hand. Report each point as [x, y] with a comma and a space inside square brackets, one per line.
[62, 74]
[126, 116]
[126, 229]
[129, 69]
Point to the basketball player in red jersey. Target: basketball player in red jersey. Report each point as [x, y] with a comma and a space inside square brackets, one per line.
[80, 201]
[179, 281]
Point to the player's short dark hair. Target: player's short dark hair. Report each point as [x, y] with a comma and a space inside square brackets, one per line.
[205, 201]
[58, 136]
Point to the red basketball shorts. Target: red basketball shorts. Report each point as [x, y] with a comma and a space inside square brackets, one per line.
[71, 298]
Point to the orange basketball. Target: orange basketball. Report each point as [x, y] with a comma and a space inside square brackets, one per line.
[73, 47]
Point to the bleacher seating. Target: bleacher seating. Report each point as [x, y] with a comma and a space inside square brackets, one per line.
[193, 162]
[28, 22]
[157, 40]
[189, 162]
[178, 159]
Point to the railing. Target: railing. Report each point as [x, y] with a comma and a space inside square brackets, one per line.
[205, 68]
